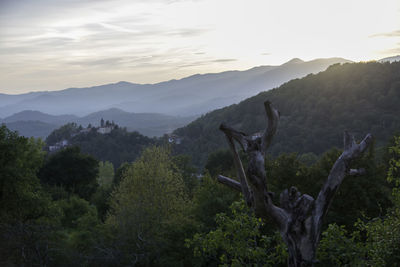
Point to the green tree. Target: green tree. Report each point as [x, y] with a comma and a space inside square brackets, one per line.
[220, 162]
[21, 197]
[71, 169]
[375, 242]
[119, 173]
[105, 180]
[383, 234]
[106, 174]
[338, 247]
[188, 172]
[239, 240]
[148, 211]
[211, 198]
[27, 216]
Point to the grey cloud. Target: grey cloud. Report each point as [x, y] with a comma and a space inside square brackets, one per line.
[98, 62]
[394, 51]
[97, 27]
[387, 34]
[36, 45]
[205, 62]
[125, 61]
[224, 60]
[188, 32]
[194, 64]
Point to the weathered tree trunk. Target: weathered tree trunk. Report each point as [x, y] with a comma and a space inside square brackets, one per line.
[299, 217]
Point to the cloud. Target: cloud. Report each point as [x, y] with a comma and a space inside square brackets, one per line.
[224, 60]
[188, 32]
[387, 34]
[206, 62]
[392, 51]
[112, 61]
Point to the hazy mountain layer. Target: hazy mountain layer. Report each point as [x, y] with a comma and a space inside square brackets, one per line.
[32, 115]
[32, 128]
[38, 124]
[390, 59]
[193, 95]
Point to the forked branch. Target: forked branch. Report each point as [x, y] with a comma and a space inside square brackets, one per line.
[273, 119]
[240, 137]
[340, 169]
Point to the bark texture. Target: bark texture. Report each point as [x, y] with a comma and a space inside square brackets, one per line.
[299, 216]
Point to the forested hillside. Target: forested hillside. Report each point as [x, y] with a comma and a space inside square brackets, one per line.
[117, 147]
[315, 110]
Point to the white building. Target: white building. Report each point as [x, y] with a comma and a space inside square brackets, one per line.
[105, 130]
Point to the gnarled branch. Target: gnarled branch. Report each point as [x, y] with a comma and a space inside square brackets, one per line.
[340, 169]
[230, 135]
[273, 119]
[230, 182]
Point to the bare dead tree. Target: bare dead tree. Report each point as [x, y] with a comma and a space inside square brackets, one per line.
[299, 216]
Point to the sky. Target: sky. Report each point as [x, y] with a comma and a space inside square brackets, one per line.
[58, 44]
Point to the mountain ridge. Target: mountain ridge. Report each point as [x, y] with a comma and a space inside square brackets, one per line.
[315, 110]
[192, 95]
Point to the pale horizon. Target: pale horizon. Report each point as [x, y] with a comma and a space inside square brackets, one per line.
[53, 45]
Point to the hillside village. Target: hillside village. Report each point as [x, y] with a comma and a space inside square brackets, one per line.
[104, 128]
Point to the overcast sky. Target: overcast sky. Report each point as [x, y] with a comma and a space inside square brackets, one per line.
[56, 44]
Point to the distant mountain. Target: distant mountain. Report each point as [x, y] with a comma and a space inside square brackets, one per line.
[34, 123]
[390, 59]
[149, 124]
[315, 110]
[193, 95]
[32, 115]
[32, 128]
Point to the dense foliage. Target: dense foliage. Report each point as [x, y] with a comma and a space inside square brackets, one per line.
[72, 170]
[239, 240]
[157, 212]
[149, 211]
[315, 110]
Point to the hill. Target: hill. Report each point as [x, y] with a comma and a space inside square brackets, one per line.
[32, 128]
[315, 110]
[32, 115]
[149, 124]
[390, 59]
[189, 96]
[118, 146]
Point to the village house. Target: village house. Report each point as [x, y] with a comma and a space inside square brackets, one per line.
[174, 139]
[105, 130]
[58, 145]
